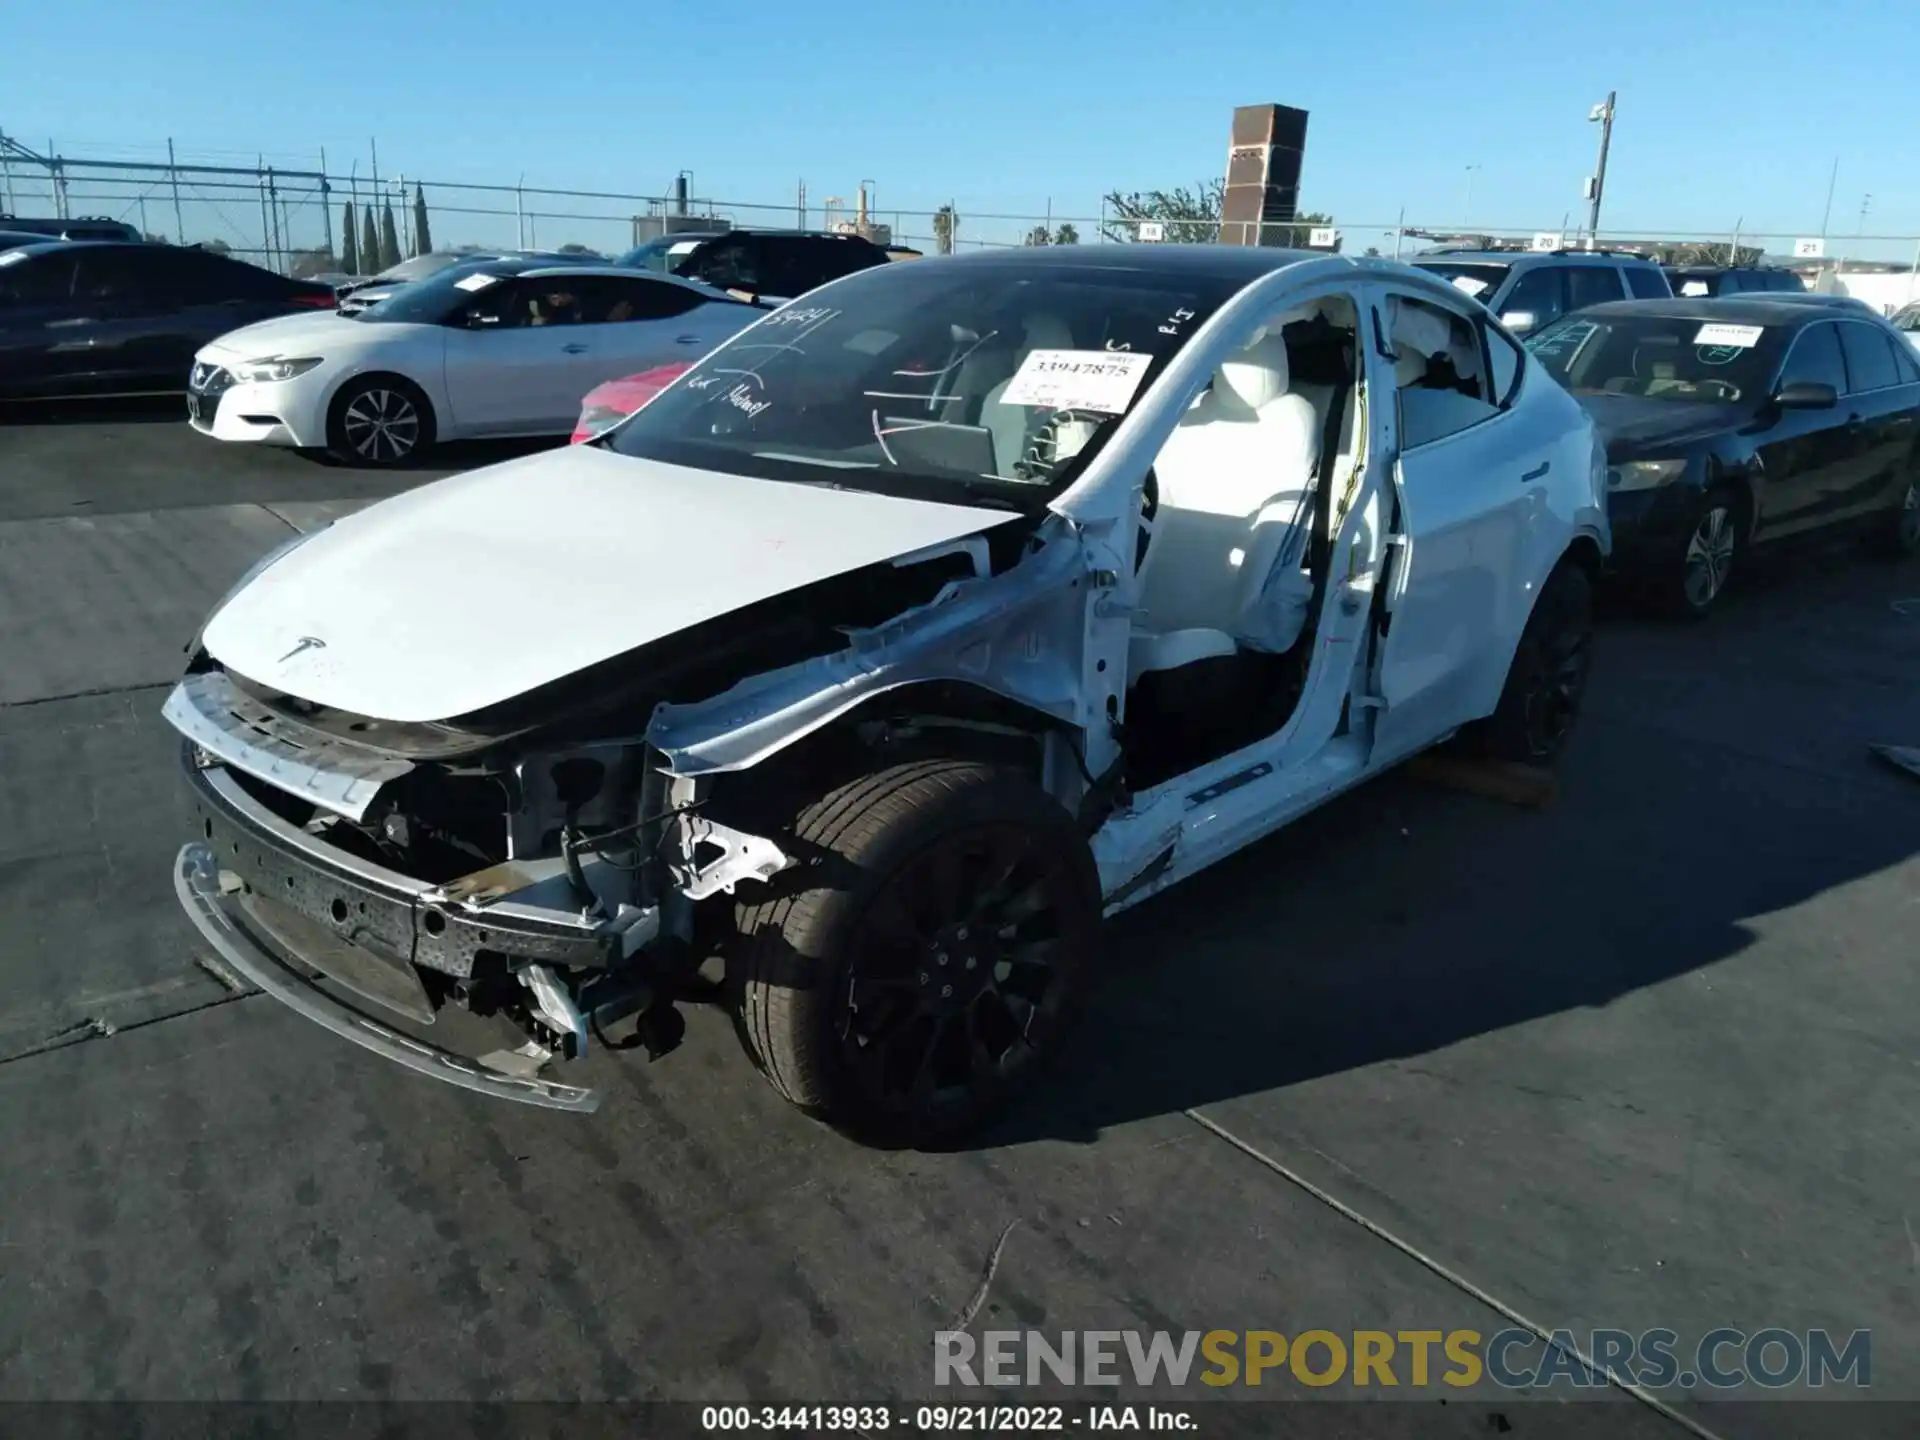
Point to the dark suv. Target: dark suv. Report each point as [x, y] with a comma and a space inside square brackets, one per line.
[107, 318]
[763, 264]
[1530, 289]
[1694, 281]
[81, 227]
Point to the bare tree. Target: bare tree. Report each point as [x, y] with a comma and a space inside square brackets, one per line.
[1191, 216]
[1188, 215]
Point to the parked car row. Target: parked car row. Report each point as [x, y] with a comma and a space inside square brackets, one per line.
[454, 343]
[1741, 424]
[505, 348]
[119, 317]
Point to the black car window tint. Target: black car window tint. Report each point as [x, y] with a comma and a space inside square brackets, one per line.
[1815, 359]
[37, 280]
[1537, 293]
[1869, 360]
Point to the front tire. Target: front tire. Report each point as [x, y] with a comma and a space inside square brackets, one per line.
[920, 966]
[1693, 588]
[1547, 681]
[379, 422]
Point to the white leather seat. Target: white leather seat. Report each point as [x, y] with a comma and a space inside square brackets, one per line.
[1234, 478]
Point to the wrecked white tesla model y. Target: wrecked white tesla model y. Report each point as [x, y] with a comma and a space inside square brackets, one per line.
[852, 681]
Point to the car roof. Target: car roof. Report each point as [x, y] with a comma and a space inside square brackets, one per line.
[1244, 263]
[1514, 257]
[1814, 297]
[608, 270]
[1760, 309]
[1727, 269]
[48, 243]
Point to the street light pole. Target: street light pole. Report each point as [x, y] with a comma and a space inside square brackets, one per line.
[1467, 218]
[1604, 114]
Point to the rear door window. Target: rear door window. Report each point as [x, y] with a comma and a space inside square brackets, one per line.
[1592, 285]
[1904, 362]
[122, 279]
[605, 300]
[1646, 283]
[1815, 359]
[1870, 363]
[728, 265]
[1540, 293]
[36, 280]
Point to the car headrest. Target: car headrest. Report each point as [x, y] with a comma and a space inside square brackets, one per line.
[1047, 332]
[1257, 375]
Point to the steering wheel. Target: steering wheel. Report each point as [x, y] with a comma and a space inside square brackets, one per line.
[1149, 510]
[1725, 389]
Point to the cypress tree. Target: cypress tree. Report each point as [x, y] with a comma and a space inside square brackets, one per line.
[389, 237]
[349, 241]
[369, 244]
[422, 237]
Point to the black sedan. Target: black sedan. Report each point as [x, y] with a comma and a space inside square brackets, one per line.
[112, 318]
[1742, 423]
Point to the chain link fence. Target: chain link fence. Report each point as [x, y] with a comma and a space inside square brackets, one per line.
[294, 219]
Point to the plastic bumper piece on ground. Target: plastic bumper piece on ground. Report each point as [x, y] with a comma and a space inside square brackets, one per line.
[225, 926]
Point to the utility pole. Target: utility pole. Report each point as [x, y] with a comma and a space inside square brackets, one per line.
[1827, 214]
[1596, 187]
[1466, 217]
[173, 175]
[326, 204]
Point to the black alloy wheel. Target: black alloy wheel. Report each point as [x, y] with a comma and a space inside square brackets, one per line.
[1547, 683]
[916, 970]
[1711, 548]
[956, 976]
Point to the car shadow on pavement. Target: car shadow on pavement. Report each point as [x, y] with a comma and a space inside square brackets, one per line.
[165, 409]
[1403, 919]
[454, 455]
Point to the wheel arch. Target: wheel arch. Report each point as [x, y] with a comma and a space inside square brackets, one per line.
[378, 372]
[1744, 481]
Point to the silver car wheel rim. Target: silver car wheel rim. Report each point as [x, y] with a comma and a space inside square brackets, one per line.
[381, 425]
[1709, 557]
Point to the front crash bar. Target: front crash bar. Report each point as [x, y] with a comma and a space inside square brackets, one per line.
[196, 881]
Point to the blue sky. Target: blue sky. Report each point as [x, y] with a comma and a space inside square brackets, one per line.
[1007, 106]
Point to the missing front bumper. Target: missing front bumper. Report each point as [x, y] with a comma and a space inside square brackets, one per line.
[250, 949]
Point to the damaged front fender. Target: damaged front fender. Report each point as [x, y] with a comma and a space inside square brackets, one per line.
[1021, 635]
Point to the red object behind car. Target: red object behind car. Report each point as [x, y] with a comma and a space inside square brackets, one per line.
[606, 405]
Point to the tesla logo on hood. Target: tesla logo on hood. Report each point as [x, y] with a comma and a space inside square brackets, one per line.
[301, 646]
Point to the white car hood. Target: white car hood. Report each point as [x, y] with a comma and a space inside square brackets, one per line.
[323, 333]
[475, 589]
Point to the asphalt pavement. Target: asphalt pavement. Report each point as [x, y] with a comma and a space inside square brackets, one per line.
[1649, 1058]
